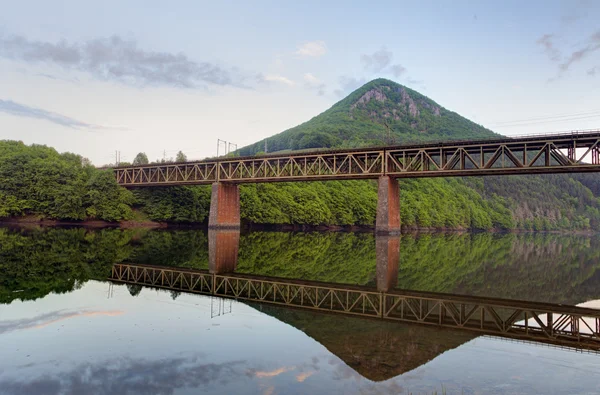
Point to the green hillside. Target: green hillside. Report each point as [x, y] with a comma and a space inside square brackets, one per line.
[379, 113]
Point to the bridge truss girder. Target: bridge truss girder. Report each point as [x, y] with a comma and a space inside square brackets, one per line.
[552, 154]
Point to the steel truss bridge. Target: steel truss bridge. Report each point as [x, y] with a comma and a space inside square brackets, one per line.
[561, 153]
[569, 326]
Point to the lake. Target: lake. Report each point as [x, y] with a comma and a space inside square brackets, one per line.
[66, 329]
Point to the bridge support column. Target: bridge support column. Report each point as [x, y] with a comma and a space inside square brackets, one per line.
[388, 206]
[387, 254]
[223, 247]
[224, 206]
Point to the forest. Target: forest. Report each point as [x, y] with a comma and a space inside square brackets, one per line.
[36, 180]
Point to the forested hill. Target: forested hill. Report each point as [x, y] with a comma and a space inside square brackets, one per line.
[379, 113]
[384, 112]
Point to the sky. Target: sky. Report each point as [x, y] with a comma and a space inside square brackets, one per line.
[158, 77]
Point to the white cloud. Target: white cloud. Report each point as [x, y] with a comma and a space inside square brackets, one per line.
[310, 79]
[314, 83]
[23, 110]
[381, 62]
[279, 78]
[349, 84]
[397, 70]
[120, 60]
[377, 61]
[313, 49]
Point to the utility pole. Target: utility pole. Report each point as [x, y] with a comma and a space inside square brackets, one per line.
[265, 146]
[226, 145]
[219, 141]
[389, 137]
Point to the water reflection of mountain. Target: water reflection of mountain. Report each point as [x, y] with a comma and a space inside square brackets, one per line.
[376, 350]
[537, 267]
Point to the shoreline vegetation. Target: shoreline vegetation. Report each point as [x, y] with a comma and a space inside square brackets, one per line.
[40, 186]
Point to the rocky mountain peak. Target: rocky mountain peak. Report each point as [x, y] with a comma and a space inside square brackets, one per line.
[394, 102]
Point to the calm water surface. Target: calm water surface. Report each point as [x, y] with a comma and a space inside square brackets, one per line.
[65, 330]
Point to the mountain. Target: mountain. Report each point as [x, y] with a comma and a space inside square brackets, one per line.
[379, 113]
[384, 112]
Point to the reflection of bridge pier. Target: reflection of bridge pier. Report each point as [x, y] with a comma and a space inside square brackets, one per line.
[387, 251]
[223, 246]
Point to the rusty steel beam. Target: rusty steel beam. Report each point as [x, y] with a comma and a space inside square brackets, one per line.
[562, 153]
[541, 322]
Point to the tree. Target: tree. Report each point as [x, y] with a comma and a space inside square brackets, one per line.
[141, 159]
[181, 157]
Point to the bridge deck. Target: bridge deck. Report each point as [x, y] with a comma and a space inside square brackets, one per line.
[562, 153]
[542, 322]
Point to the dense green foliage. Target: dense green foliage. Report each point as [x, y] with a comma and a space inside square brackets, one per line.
[37, 180]
[181, 157]
[547, 202]
[316, 203]
[175, 204]
[141, 159]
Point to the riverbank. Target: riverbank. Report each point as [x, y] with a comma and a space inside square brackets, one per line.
[32, 221]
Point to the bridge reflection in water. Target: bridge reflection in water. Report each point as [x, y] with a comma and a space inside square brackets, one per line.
[541, 322]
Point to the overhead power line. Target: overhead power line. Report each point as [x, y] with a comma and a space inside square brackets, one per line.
[548, 119]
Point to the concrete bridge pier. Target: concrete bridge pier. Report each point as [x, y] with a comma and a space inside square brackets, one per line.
[387, 255]
[223, 247]
[224, 206]
[388, 206]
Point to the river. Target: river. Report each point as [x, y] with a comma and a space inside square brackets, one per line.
[65, 329]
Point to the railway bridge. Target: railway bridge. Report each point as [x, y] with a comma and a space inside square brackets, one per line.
[573, 152]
